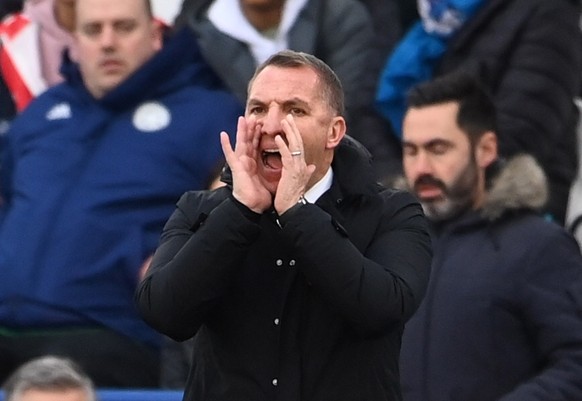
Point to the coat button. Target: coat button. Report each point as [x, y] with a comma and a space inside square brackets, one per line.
[279, 262]
[292, 262]
[275, 382]
[276, 321]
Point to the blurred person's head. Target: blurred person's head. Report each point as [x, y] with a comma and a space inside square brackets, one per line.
[263, 15]
[449, 141]
[114, 39]
[300, 85]
[49, 378]
[65, 14]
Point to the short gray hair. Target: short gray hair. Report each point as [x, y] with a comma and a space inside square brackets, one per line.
[48, 373]
[331, 86]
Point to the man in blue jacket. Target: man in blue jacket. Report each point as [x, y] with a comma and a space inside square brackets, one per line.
[93, 169]
[501, 319]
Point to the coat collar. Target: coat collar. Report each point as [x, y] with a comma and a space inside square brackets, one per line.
[353, 168]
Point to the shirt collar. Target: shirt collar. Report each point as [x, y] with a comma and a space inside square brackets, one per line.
[320, 187]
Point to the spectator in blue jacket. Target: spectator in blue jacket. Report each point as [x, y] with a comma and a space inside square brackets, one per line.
[93, 168]
[501, 318]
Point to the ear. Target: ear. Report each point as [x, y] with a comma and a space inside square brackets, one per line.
[486, 149]
[336, 132]
[158, 28]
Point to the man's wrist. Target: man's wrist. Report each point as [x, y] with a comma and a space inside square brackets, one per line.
[300, 203]
[246, 211]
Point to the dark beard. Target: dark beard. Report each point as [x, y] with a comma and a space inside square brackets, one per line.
[457, 197]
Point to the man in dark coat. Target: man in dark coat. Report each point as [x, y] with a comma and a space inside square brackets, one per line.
[501, 319]
[528, 53]
[298, 276]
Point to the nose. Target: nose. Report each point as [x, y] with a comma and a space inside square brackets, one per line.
[107, 37]
[271, 121]
[424, 163]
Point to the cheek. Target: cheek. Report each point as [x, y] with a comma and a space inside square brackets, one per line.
[86, 52]
[449, 173]
[407, 161]
[135, 59]
[314, 144]
[414, 166]
[314, 135]
[157, 43]
[408, 168]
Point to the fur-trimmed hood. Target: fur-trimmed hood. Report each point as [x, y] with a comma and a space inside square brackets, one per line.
[518, 183]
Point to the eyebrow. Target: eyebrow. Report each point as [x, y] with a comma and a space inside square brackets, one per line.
[290, 102]
[432, 142]
[115, 21]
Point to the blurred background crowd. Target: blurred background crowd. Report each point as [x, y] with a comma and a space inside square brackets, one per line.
[83, 201]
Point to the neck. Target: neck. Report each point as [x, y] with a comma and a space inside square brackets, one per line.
[65, 15]
[263, 17]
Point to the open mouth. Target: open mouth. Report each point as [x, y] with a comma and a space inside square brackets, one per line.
[272, 159]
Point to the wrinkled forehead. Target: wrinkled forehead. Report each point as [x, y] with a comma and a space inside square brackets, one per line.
[282, 84]
[301, 76]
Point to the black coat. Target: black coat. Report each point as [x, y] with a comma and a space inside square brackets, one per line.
[530, 54]
[310, 311]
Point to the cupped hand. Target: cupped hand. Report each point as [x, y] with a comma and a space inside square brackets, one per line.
[296, 172]
[243, 161]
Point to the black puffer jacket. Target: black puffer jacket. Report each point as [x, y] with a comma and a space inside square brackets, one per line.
[530, 53]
